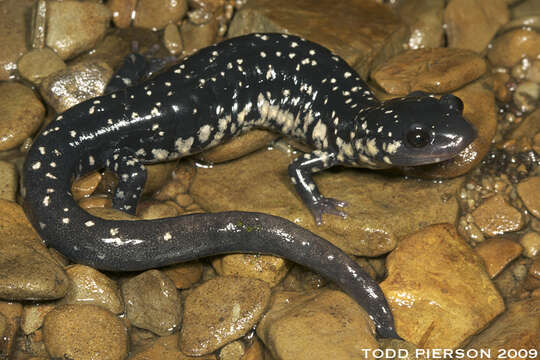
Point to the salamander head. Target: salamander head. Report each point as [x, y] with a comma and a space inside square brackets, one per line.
[414, 130]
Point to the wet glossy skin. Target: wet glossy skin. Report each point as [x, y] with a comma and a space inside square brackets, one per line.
[279, 82]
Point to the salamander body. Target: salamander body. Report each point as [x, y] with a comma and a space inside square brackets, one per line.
[274, 81]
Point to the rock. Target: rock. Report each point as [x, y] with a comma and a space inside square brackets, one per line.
[22, 114]
[74, 27]
[84, 186]
[528, 20]
[381, 209]
[115, 47]
[481, 111]
[85, 332]
[472, 25]
[496, 217]
[364, 33]
[184, 275]
[3, 325]
[438, 290]
[436, 70]
[13, 34]
[208, 5]
[11, 311]
[268, 268]
[196, 37]
[325, 324]
[33, 316]
[526, 96]
[173, 40]
[528, 192]
[8, 181]
[152, 302]
[232, 351]
[122, 11]
[89, 286]
[531, 244]
[238, 147]
[527, 7]
[37, 64]
[513, 46]
[425, 18]
[221, 310]
[150, 210]
[166, 348]
[517, 329]
[255, 351]
[98, 201]
[27, 270]
[528, 127]
[497, 253]
[75, 84]
[156, 14]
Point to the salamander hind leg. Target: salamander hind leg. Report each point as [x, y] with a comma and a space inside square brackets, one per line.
[300, 171]
[132, 176]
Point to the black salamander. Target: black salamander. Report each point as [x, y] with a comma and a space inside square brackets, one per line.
[273, 81]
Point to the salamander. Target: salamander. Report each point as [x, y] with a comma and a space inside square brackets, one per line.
[279, 82]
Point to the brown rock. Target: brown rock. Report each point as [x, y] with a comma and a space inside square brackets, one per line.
[75, 84]
[255, 351]
[496, 217]
[481, 111]
[513, 46]
[173, 40]
[221, 310]
[27, 270]
[156, 14]
[526, 96]
[89, 286]
[150, 210]
[22, 114]
[528, 191]
[326, 324]
[86, 185]
[381, 209]
[524, 8]
[268, 268]
[436, 70]
[37, 64]
[85, 332]
[8, 181]
[472, 24]
[531, 244]
[208, 5]
[425, 18]
[157, 175]
[13, 34]
[232, 351]
[166, 348]
[184, 275]
[111, 214]
[364, 33]
[114, 48]
[3, 325]
[152, 302]
[438, 290]
[196, 37]
[528, 128]
[518, 329]
[122, 11]
[12, 313]
[99, 201]
[74, 27]
[497, 253]
[33, 316]
[238, 147]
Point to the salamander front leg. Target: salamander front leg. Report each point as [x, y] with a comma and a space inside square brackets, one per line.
[300, 171]
[132, 176]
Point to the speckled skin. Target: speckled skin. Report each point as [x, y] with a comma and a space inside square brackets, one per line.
[274, 81]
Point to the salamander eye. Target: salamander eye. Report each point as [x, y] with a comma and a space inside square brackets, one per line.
[418, 137]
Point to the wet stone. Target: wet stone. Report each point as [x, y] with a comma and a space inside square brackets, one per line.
[12, 313]
[270, 269]
[184, 275]
[325, 324]
[531, 244]
[8, 181]
[437, 70]
[37, 64]
[27, 270]
[221, 310]
[472, 24]
[518, 328]
[33, 316]
[528, 128]
[197, 37]
[425, 18]
[172, 39]
[150, 210]
[513, 46]
[380, 208]
[89, 18]
[86, 185]
[75, 84]
[85, 332]
[3, 325]
[152, 302]
[232, 351]
[526, 96]
[22, 114]
[496, 217]
[437, 285]
[89, 286]
[208, 5]
[527, 7]
[497, 253]
[364, 33]
[156, 14]
[166, 348]
[528, 191]
[122, 11]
